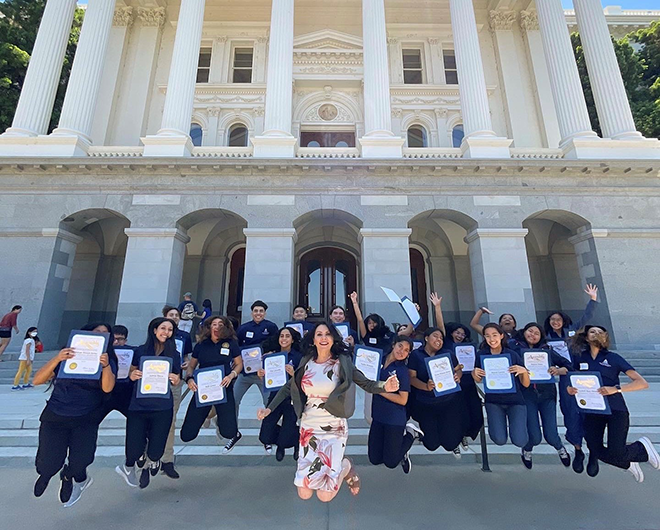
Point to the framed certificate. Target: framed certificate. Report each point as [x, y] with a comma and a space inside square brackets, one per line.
[466, 355]
[297, 325]
[275, 375]
[588, 399]
[537, 363]
[441, 371]
[251, 359]
[406, 304]
[124, 359]
[498, 379]
[343, 329]
[561, 348]
[86, 362]
[209, 386]
[417, 344]
[155, 382]
[369, 360]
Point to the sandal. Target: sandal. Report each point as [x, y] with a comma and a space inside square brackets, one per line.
[352, 479]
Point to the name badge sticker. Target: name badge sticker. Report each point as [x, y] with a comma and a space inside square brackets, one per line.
[584, 366]
[373, 341]
[249, 334]
[224, 351]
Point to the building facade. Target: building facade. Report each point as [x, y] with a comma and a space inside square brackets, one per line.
[296, 151]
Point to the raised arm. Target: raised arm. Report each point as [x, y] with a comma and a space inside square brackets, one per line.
[474, 323]
[592, 291]
[437, 308]
[358, 314]
[47, 371]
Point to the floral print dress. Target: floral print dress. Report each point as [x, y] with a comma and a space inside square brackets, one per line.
[322, 436]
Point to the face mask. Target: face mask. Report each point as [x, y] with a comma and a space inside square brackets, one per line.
[33, 334]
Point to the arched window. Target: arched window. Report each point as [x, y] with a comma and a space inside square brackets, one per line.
[313, 143]
[457, 135]
[238, 136]
[196, 134]
[341, 143]
[417, 136]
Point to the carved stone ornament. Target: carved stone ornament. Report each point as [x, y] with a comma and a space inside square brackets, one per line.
[529, 20]
[152, 17]
[502, 20]
[215, 111]
[123, 16]
[328, 112]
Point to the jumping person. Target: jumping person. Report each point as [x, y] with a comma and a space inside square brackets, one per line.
[217, 346]
[26, 359]
[120, 398]
[286, 435]
[338, 316]
[70, 423]
[541, 399]
[149, 418]
[504, 410]
[322, 395]
[506, 321]
[373, 330]
[8, 322]
[388, 442]
[594, 356]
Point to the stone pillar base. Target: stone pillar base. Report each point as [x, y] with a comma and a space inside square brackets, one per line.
[268, 146]
[167, 146]
[486, 147]
[381, 146]
[606, 148]
[65, 146]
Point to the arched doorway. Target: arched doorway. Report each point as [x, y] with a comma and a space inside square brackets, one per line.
[419, 289]
[327, 277]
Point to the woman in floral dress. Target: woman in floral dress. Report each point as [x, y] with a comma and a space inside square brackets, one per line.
[323, 396]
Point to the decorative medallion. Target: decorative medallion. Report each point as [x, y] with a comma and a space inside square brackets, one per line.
[328, 112]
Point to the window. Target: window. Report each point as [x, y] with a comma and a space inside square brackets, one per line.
[417, 136]
[451, 74]
[412, 67]
[196, 134]
[204, 65]
[327, 139]
[238, 136]
[242, 68]
[457, 135]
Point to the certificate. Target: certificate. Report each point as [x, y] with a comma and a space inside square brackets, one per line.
[466, 354]
[406, 304]
[498, 379]
[275, 375]
[417, 344]
[441, 372]
[124, 359]
[588, 398]
[179, 346]
[86, 362]
[344, 330]
[209, 386]
[368, 360]
[537, 363]
[561, 348]
[298, 326]
[251, 359]
[155, 382]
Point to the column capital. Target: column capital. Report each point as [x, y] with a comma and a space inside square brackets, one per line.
[529, 20]
[175, 233]
[271, 232]
[124, 17]
[502, 20]
[152, 17]
[478, 233]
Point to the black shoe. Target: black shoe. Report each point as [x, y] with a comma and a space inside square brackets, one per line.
[279, 454]
[296, 452]
[66, 487]
[406, 464]
[40, 486]
[592, 466]
[144, 478]
[578, 461]
[564, 457]
[526, 457]
[154, 468]
[168, 469]
[141, 461]
[231, 443]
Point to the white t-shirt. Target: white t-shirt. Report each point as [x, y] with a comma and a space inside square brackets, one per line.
[27, 342]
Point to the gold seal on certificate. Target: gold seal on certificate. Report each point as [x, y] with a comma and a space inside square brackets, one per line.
[275, 371]
[537, 363]
[251, 359]
[88, 349]
[497, 373]
[155, 377]
[441, 372]
[209, 386]
[588, 398]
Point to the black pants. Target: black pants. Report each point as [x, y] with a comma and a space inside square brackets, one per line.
[119, 399]
[474, 407]
[147, 430]
[388, 444]
[286, 435]
[62, 436]
[617, 453]
[443, 423]
[195, 417]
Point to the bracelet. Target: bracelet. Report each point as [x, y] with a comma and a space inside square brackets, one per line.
[235, 374]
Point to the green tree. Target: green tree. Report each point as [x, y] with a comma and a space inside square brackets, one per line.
[649, 53]
[19, 24]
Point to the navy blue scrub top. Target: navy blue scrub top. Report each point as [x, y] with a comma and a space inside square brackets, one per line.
[610, 365]
[210, 354]
[386, 411]
[516, 398]
[417, 363]
[252, 333]
[153, 404]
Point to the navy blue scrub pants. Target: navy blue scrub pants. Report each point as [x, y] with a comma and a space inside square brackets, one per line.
[515, 416]
[119, 399]
[147, 431]
[388, 444]
[443, 423]
[618, 453]
[285, 436]
[571, 413]
[547, 411]
[474, 406]
[195, 417]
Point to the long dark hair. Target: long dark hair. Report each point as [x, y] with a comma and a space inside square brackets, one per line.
[30, 330]
[272, 344]
[227, 331]
[581, 345]
[450, 327]
[520, 335]
[381, 328]
[491, 325]
[169, 348]
[567, 322]
[338, 345]
[110, 349]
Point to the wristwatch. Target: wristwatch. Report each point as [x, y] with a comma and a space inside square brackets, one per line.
[618, 389]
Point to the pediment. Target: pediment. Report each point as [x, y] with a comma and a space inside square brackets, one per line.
[327, 40]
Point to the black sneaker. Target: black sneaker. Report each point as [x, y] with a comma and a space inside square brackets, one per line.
[141, 461]
[592, 466]
[154, 468]
[168, 469]
[231, 443]
[564, 457]
[279, 454]
[526, 457]
[40, 486]
[296, 452]
[66, 486]
[144, 478]
[406, 464]
[578, 461]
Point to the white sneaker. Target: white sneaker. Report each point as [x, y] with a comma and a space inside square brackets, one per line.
[465, 443]
[654, 457]
[268, 449]
[415, 431]
[77, 492]
[128, 474]
[636, 472]
[457, 452]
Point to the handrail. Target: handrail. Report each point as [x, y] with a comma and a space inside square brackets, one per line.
[485, 467]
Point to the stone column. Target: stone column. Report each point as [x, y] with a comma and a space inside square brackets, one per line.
[153, 270]
[277, 140]
[480, 141]
[35, 104]
[73, 134]
[378, 141]
[386, 263]
[573, 118]
[173, 138]
[500, 272]
[269, 263]
[444, 139]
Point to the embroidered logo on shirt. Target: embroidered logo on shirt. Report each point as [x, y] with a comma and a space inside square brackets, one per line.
[605, 363]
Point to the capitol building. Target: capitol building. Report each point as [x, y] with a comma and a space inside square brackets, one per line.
[295, 151]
